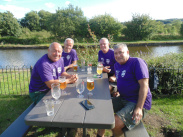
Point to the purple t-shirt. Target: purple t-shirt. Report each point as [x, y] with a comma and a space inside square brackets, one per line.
[107, 59]
[128, 75]
[45, 70]
[69, 57]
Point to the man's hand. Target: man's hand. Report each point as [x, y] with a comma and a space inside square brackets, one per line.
[72, 78]
[106, 69]
[112, 79]
[137, 114]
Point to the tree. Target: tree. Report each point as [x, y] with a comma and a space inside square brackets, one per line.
[43, 18]
[68, 22]
[181, 29]
[140, 28]
[9, 25]
[103, 25]
[31, 21]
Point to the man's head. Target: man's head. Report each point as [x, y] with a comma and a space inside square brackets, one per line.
[104, 45]
[54, 51]
[121, 53]
[68, 45]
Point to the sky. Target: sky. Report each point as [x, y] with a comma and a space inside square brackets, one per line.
[121, 10]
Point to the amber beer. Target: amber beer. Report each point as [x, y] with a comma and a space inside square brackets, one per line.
[90, 84]
[63, 85]
[75, 67]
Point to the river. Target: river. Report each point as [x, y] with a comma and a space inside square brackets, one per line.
[28, 57]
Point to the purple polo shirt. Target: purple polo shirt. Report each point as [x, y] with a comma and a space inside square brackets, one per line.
[107, 59]
[128, 75]
[69, 57]
[45, 70]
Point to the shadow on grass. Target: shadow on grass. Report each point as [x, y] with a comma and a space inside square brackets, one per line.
[171, 133]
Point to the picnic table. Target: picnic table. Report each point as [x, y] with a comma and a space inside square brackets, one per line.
[71, 114]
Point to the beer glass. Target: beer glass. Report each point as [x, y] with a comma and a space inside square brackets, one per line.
[82, 65]
[55, 92]
[63, 84]
[99, 69]
[90, 85]
[89, 68]
[75, 67]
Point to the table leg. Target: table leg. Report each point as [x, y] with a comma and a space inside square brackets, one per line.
[84, 132]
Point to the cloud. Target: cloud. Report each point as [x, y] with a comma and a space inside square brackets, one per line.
[18, 12]
[67, 2]
[8, 0]
[50, 5]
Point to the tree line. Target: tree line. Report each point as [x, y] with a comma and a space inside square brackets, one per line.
[71, 22]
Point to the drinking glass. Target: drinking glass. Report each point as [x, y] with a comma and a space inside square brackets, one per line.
[49, 104]
[55, 92]
[90, 85]
[89, 68]
[80, 87]
[75, 67]
[82, 65]
[99, 69]
[63, 84]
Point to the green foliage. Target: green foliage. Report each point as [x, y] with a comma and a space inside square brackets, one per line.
[181, 29]
[103, 25]
[9, 25]
[31, 21]
[67, 22]
[43, 19]
[140, 28]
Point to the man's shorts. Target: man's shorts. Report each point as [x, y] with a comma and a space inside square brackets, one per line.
[124, 109]
[37, 96]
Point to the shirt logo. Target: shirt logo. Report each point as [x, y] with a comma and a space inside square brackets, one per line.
[107, 61]
[59, 69]
[54, 72]
[102, 60]
[68, 57]
[123, 73]
[117, 73]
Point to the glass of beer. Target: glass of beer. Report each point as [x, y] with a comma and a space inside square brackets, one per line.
[99, 69]
[90, 85]
[75, 67]
[63, 84]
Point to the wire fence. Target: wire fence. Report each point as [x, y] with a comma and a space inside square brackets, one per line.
[15, 80]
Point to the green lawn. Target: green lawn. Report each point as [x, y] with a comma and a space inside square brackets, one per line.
[169, 108]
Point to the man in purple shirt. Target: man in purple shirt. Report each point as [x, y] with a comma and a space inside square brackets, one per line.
[133, 85]
[106, 56]
[46, 71]
[69, 55]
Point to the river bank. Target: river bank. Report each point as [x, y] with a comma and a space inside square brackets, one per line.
[129, 44]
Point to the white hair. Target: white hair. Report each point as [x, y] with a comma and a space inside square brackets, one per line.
[69, 39]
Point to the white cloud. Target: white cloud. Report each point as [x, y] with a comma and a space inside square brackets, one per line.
[18, 12]
[67, 2]
[8, 0]
[50, 5]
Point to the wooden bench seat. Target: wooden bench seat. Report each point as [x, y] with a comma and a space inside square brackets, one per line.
[138, 131]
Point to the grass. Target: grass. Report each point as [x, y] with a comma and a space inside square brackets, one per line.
[169, 108]
[14, 81]
[11, 107]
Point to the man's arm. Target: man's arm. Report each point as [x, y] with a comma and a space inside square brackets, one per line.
[71, 65]
[144, 85]
[69, 79]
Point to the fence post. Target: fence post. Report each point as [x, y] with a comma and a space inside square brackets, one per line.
[31, 70]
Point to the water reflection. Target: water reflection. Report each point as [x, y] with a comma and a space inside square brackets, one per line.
[29, 57]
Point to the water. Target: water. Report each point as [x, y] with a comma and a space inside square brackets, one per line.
[29, 57]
